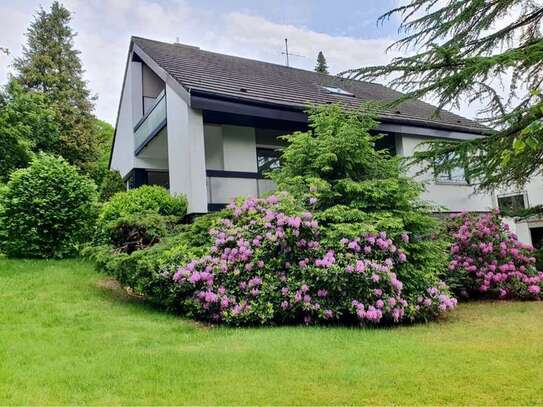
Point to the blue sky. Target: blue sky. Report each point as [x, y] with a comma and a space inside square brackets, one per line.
[345, 30]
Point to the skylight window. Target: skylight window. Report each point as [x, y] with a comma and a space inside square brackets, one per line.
[337, 91]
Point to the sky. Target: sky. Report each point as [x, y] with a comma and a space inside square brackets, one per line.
[345, 30]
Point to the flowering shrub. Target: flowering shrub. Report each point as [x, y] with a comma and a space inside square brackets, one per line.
[488, 260]
[268, 266]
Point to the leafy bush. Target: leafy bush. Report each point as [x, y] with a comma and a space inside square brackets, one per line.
[49, 210]
[131, 204]
[336, 171]
[149, 271]
[488, 260]
[111, 183]
[268, 266]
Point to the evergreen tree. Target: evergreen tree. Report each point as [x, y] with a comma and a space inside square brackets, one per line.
[472, 50]
[51, 65]
[321, 66]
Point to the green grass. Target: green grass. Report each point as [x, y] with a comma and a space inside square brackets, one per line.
[68, 338]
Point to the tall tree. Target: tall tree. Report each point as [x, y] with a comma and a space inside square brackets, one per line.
[484, 51]
[50, 64]
[321, 66]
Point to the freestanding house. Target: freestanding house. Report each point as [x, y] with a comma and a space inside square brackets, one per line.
[207, 125]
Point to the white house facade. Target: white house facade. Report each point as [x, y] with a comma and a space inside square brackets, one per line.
[207, 125]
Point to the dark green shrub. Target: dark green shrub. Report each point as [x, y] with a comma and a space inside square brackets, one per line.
[112, 182]
[146, 199]
[49, 210]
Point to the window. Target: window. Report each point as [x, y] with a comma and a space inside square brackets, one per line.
[161, 178]
[337, 91]
[267, 159]
[511, 203]
[455, 175]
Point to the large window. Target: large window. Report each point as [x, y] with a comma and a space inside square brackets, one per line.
[267, 159]
[511, 203]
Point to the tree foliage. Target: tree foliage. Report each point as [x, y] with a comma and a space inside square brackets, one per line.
[27, 125]
[50, 64]
[485, 51]
[322, 66]
[354, 188]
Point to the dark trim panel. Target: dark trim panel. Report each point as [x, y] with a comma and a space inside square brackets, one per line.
[235, 105]
[213, 207]
[232, 174]
[151, 136]
[217, 104]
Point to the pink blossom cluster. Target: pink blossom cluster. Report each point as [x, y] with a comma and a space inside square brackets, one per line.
[492, 259]
[267, 265]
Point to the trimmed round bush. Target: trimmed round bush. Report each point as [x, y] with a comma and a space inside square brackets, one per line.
[269, 266]
[147, 199]
[487, 260]
[48, 210]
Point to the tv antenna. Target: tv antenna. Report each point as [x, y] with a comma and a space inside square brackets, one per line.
[288, 54]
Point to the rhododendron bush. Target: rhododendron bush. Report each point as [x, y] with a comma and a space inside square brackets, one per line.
[268, 266]
[488, 260]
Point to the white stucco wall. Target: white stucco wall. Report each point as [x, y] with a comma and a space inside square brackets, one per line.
[239, 148]
[186, 154]
[452, 196]
[122, 158]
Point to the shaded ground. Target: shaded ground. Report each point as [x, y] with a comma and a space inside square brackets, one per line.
[68, 336]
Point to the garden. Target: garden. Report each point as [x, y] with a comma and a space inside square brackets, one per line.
[342, 267]
[342, 287]
[339, 288]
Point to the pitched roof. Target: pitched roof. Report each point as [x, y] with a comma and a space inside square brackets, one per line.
[258, 81]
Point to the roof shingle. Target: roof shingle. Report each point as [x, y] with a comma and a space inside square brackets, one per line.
[258, 81]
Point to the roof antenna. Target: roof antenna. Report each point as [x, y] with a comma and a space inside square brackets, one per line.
[286, 50]
[287, 54]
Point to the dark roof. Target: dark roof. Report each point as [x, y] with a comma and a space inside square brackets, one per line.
[258, 81]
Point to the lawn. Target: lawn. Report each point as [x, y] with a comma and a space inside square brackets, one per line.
[69, 337]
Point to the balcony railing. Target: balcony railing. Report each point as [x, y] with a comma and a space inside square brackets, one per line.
[150, 124]
[223, 186]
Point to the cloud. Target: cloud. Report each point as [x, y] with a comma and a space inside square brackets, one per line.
[104, 29]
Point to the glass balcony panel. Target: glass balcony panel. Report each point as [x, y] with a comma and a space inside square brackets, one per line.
[150, 124]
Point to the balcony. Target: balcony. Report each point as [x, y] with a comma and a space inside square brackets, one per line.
[150, 124]
[223, 186]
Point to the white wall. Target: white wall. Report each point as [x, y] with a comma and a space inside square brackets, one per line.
[452, 196]
[213, 141]
[122, 158]
[152, 85]
[239, 148]
[186, 155]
